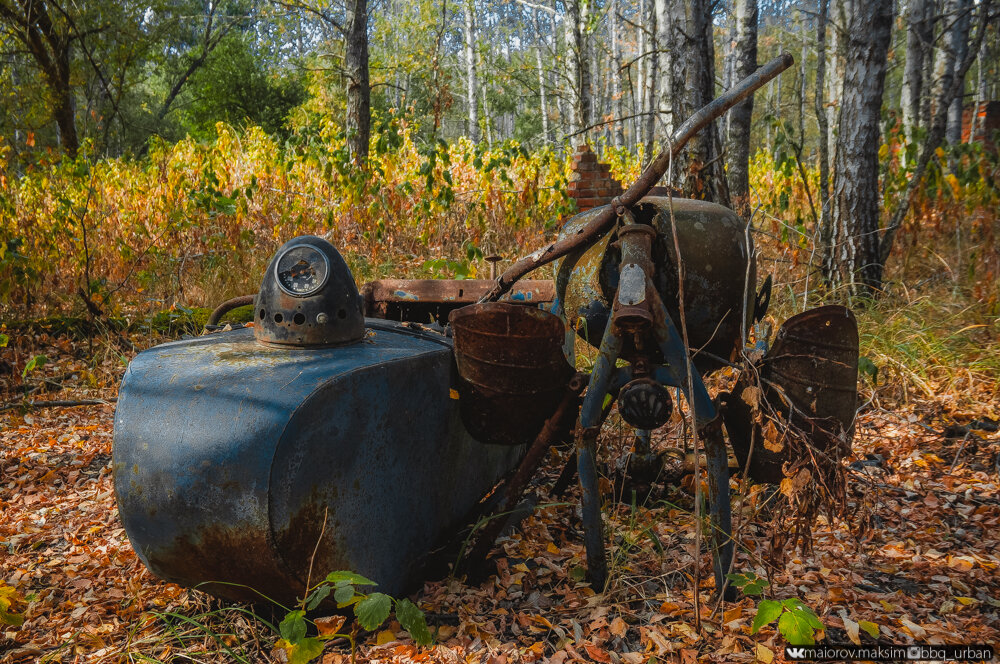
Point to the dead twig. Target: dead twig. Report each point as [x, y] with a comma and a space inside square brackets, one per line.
[34, 405]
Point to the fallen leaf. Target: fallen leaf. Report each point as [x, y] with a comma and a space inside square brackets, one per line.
[852, 628]
[597, 654]
[869, 627]
[618, 627]
[763, 654]
[913, 628]
[330, 625]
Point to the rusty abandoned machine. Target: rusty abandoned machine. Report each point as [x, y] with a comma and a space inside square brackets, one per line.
[340, 432]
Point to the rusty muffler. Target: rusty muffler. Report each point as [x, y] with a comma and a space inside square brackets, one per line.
[809, 386]
[512, 371]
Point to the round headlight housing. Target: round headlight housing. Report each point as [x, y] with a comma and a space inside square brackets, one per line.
[308, 297]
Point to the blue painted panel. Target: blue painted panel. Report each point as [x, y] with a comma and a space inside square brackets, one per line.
[227, 455]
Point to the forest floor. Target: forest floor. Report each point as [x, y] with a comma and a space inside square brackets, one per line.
[924, 570]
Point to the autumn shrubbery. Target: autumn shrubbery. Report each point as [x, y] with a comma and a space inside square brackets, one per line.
[933, 332]
[195, 221]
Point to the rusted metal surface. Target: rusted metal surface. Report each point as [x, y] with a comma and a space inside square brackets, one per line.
[714, 247]
[645, 404]
[810, 379]
[424, 300]
[326, 313]
[228, 455]
[604, 217]
[512, 370]
[720, 506]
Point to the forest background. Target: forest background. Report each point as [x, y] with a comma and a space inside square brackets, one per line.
[154, 155]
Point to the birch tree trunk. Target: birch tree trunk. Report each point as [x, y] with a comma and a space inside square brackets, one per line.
[944, 61]
[929, 88]
[664, 42]
[486, 117]
[729, 61]
[576, 65]
[359, 115]
[471, 85]
[840, 13]
[822, 124]
[854, 257]
[617, 131]
[917, 45]
[744, 62]
[543, 107]
[587, 65]
[974, 124]
[958, 39]
[701, 167]
[639, 93]
[803, 27]
[650, 55]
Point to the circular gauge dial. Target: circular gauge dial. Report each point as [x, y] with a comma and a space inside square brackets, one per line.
[302, 270]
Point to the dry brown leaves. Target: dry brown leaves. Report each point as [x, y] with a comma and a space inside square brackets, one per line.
[927, 569]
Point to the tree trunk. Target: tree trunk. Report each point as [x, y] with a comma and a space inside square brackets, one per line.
[617, 133]
[840, 12]
[958, 40]
[358, 123]
[543, 106]
[744, 62]
[642, 65]
[974, 123]
[64, 110]
[729, 61]
[571, 23]
[929, 86]
[917, 45]
[577, 65]
[471, 97]
[700, 167]
[944, 62]
[853, 255]
[48, 43]
[587, 64]
[803, 27]
[822, 124]
[661, 24]
[651, 81]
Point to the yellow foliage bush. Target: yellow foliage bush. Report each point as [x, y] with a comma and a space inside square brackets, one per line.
[195, 221]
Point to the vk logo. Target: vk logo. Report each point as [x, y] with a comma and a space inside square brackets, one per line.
[795, 653]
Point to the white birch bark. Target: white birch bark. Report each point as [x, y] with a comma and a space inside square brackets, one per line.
[854, 255]
[471, 84]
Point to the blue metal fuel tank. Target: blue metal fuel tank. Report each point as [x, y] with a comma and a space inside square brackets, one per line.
[234, 461]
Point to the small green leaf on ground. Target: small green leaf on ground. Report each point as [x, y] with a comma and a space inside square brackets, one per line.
[796, 628]
[36, 362]
[767, 611]
[338, 578]
[317, 597]
[373, 610]
[412, 620]
[293, 627]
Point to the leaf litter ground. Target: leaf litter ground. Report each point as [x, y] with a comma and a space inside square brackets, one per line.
[925, 570]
